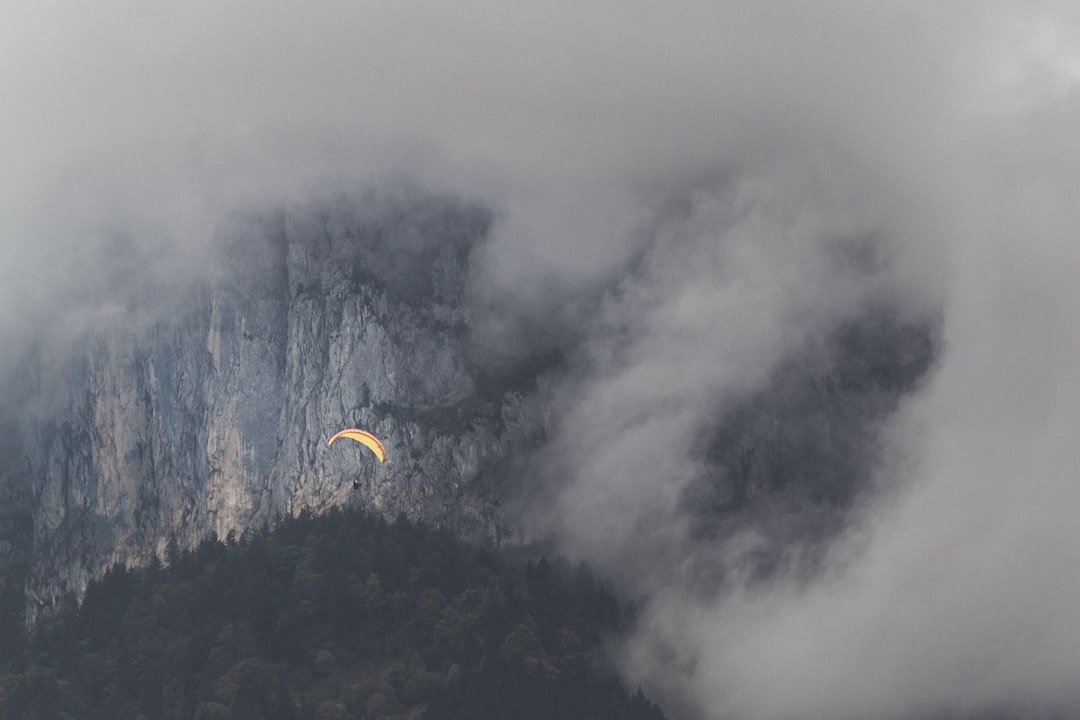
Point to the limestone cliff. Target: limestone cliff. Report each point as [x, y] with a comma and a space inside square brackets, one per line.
[213, 417]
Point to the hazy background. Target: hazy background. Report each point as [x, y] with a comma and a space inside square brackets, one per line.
[685, 194]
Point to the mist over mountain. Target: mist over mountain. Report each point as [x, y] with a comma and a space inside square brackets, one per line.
[151, 428]
[768, 312]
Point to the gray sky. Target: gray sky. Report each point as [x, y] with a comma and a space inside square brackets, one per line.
[685, 171]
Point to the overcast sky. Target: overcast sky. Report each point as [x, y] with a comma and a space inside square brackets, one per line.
[685, 170]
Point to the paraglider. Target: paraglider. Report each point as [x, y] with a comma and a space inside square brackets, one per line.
[364, 438]
[367, 440]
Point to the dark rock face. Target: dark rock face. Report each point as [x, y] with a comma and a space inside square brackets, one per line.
[791, 460]
[214, 417]
[814, 429]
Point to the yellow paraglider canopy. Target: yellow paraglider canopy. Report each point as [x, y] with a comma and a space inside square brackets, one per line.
[364, 438]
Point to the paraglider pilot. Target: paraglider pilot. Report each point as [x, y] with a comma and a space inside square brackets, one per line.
[366, 439]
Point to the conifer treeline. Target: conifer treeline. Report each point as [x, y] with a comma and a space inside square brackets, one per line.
[332, 617]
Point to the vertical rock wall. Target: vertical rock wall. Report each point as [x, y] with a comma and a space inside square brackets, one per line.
[214, 416]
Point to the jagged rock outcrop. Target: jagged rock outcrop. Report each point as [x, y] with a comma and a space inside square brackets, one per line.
[213, 417]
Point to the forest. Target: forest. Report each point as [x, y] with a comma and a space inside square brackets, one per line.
[338, 616]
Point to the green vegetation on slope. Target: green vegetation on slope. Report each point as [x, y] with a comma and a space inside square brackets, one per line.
[340, 616]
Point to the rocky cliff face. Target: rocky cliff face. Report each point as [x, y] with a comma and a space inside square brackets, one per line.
[214, 416]
[203, 406]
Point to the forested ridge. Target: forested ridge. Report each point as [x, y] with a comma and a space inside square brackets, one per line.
[339, 616]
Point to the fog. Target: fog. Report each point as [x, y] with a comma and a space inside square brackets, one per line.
[686, 194]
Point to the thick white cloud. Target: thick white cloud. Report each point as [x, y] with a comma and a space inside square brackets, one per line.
[956, 596]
